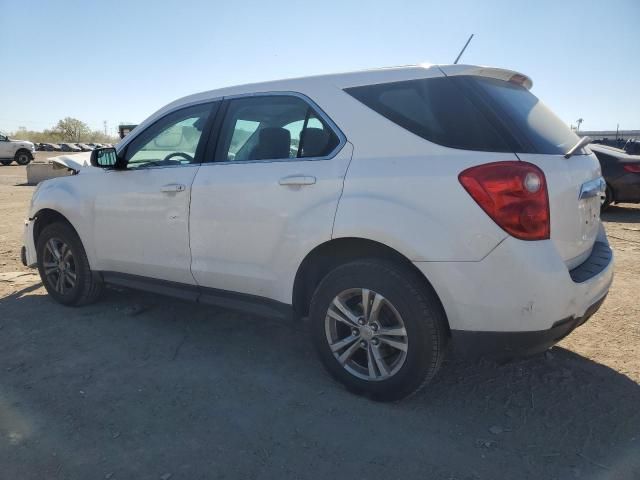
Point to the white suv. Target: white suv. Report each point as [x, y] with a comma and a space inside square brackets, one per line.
[402, 210]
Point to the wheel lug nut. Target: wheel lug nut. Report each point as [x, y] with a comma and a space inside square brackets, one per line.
[375, 341]
[363, 344]
[374, 327]
[361, 321]
[355, 332]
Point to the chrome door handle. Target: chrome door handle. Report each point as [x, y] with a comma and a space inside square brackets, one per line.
[297, 180]
[172, 187]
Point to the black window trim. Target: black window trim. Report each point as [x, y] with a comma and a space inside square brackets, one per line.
[209, 157]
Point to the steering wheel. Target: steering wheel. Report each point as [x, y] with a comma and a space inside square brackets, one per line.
[178, 154]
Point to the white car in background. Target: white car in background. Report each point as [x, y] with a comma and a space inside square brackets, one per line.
[20, 151]
[402, 210]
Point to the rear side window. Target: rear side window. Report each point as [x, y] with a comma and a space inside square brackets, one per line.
[273, 127]
[435, 109]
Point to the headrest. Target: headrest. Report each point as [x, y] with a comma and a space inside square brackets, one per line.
[274, 142]
[314, 142]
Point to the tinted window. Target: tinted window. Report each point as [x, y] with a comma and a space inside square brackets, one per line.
[435, 109]
[273, 128]
[172, 140]
[472, 113]
[536, 128]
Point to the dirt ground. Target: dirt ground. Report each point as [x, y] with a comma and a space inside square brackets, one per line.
[139, 386]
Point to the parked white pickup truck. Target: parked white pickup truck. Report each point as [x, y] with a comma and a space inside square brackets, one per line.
[19, 150]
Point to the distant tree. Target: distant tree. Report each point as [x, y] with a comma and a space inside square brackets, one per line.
[579, 122]
[72, 129]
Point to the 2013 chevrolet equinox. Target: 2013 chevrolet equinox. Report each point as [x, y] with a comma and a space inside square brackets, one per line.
[401, 209]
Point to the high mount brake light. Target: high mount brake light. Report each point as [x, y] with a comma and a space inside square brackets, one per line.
[514, 194]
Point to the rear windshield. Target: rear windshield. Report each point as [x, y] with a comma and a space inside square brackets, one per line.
[471, 113]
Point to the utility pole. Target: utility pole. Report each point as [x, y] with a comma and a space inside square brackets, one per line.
[105, 128]
[579, 122]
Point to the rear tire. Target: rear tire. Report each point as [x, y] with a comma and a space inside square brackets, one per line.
[6, 162]
[366, 351]
[22, 157]
[64, 268]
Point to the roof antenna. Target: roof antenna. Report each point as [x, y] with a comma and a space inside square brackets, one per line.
[463, 49]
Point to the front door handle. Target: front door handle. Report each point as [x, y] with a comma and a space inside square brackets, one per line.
[172, 187]
[294, 180]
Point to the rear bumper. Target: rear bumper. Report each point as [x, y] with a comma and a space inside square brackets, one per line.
[506, 345]
[522, 292]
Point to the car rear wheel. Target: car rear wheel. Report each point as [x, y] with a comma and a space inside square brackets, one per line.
[64, 268]
[22, 157]
[6, 162]
[378, 328]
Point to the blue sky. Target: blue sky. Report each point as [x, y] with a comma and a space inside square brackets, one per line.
[120, 61]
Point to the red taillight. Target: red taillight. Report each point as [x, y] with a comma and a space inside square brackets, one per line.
[632, 167]
[513, 194]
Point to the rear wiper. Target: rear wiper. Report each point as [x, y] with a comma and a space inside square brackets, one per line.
[583, 142]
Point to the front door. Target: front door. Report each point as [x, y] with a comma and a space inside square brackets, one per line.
[142, 210]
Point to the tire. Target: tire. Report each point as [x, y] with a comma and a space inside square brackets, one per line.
[608, 199]
[6, 162]
[408, 306]
[86, 287]
[22, 157]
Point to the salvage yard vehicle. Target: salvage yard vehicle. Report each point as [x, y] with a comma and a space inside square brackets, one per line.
[70, 147]
[402, 210]
[20, 151]
[621, 171]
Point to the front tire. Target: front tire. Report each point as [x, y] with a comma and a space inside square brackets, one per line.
[22, 157]
[64, 268]
[378, 328]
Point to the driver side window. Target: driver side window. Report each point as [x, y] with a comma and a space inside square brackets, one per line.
[172, 140]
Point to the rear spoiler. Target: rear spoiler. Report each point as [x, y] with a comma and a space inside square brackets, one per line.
[497, 73]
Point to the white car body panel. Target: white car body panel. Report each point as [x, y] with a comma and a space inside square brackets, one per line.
[235, 228]
[156, 243]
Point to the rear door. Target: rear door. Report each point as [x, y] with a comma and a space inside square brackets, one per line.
[269, 195]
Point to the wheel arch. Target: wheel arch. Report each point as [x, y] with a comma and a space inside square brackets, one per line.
[48, 216]
[332, 253]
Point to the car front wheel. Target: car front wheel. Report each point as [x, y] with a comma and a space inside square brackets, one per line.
[378, 328]
[64, 268]
[22, 157]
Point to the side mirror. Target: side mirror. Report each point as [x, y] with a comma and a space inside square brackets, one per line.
[104, 158]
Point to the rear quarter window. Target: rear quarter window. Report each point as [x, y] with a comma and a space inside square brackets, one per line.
[435, 109]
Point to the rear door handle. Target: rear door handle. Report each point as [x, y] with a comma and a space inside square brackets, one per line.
[172, 187]
[297, 180]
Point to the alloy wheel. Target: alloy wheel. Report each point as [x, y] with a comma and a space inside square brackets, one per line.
[366, 334]
[59, 266]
